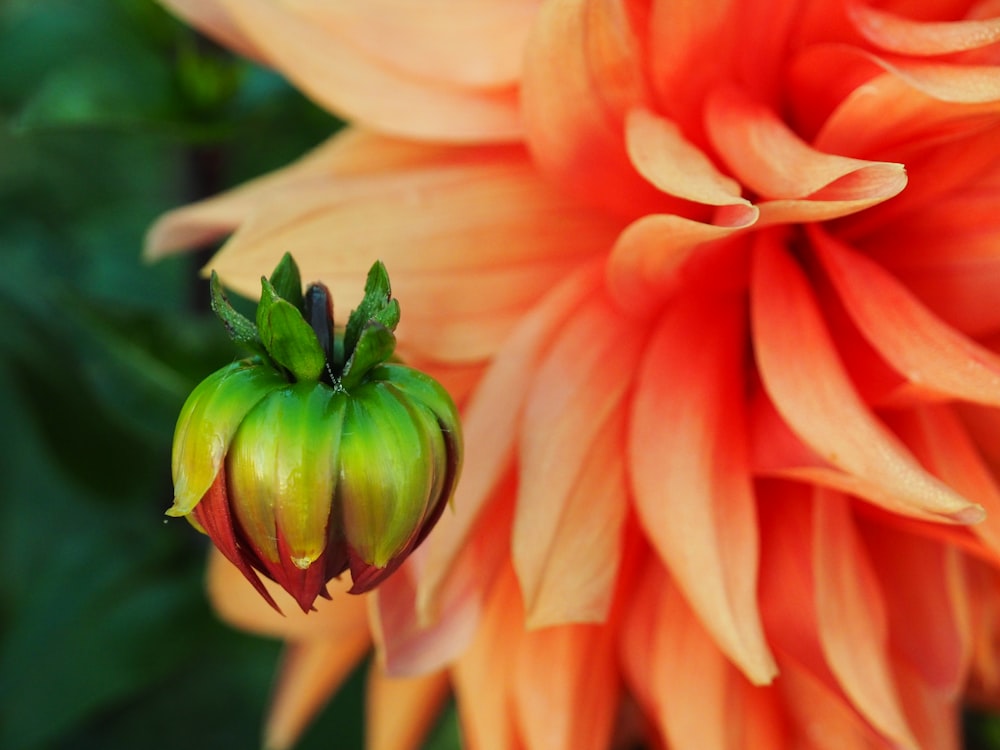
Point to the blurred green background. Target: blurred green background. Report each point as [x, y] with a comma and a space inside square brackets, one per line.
[112, 112]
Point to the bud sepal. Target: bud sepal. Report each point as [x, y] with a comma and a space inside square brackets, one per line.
[315, 456]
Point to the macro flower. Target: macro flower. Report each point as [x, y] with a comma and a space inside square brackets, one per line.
[315, 455]
[718, 306]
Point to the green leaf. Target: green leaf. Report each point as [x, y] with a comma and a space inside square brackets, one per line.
[288, 338]
[287, 281]
[377, 305]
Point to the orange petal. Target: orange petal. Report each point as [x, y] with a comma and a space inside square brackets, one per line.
[329, 69]
[852, 620]
[311, 671]
[565, 687]
[806, 381]
[822, 718]
[885, 113]
[648, 259]
[934, 714]
[572, 495]
[490, 423]
[661, 153]
[583, 69]
[690, 475]
[679, 34]
[688, 675]
[771, 159]
[483, 676]
[913, 340]
[895, 33]
[925, 603]
[943, 444]
[235, 601]
[399, 711]
[404, 645]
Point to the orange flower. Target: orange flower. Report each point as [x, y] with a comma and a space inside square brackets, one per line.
[716, 284]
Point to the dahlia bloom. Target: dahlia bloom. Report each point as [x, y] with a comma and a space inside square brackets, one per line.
[715, 286]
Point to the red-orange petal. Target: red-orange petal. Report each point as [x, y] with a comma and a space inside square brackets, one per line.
[690, 472]
[921, 347]
[808, 385]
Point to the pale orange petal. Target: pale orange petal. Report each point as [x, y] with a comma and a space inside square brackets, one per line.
[650, 256]
[926, 605]
[767, 156]
[690, 474]
[399, 711]
[351, 152]
[370, 91]
[474, 43]
[683, 655]
[912, 339]
[490, 422]
[565, 687]
[946, 81]
[238, 603]
[582, 71]
[851, 618]
[311, 671]
[661, 154]
[895, 33]
[457, 305]
[404, 645]
[807, 383]
[483, 676]
[572, 495]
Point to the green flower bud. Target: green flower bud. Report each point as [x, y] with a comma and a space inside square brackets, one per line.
[315, 456]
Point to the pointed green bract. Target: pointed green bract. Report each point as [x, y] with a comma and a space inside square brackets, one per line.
[289, 339]
[241, 329]
[377, 305]
[207, 423]
[287, 281]
[374, 346]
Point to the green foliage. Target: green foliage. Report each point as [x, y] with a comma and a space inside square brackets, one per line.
[116, 113]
